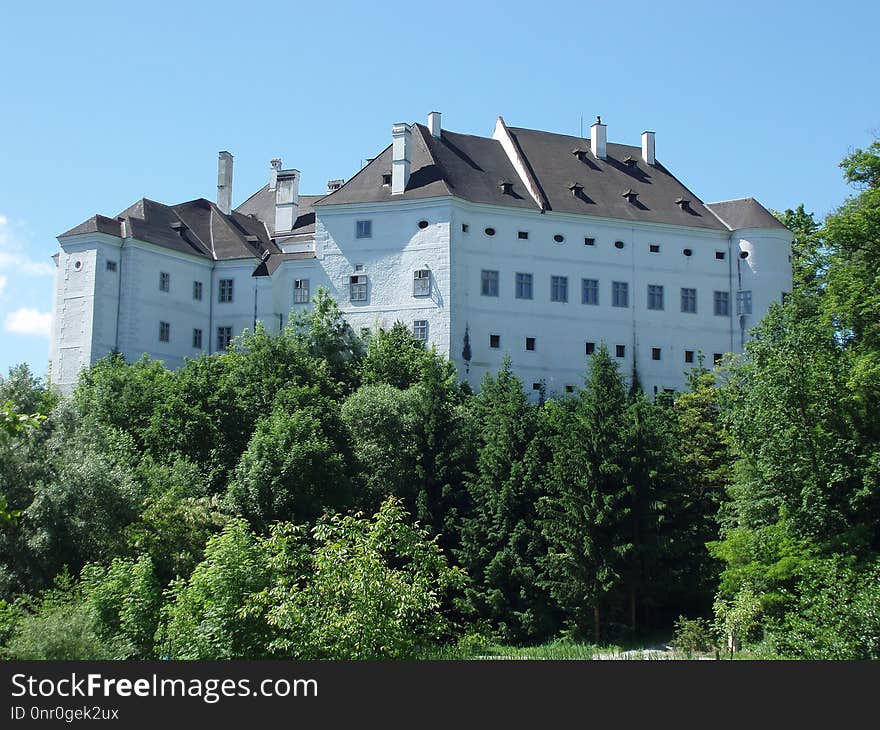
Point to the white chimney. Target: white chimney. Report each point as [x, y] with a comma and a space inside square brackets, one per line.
[274, 167]
[400, 137]
[286, 199]
[224, 182]
[598, 138]
[648, 147]
[434, 124]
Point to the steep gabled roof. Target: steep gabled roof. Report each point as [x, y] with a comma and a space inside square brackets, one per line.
[744, 213]
[261, 205]
[95, 224]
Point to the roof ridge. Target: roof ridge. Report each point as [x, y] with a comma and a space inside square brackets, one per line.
[425, 133]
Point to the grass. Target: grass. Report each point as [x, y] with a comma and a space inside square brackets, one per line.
[552, 651]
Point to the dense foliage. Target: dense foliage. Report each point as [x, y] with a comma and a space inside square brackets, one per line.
[316, 494]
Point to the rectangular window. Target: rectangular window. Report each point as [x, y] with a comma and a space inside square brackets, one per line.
[590, 291]
[300, 291]
[464, 227]
[357, 286]
[494, 341]
[420, 329]
[744, 302]
[655, 353]
[688, 356]
[558, 288]
[590, 348]
[536, 386]
[716, 358]
[619, 294]
[197, 339]
[720, 255]
[620, 350]
[654, 248]
[589, 241]
[364, 229]
[422, 283]
[164, 332]
[164, 281]
[224, 337]
[225, 293]
[784, 298]
[523, 286]
[489, 283]
[197, 290]
[655, 296]
[530, 343]
[722, 303]
[569, 389]
[689, 300]
[522, 235]
[111, 266]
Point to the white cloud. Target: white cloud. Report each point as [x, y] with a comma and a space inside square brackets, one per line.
[26, 321]
[3, 281]
[14, 258]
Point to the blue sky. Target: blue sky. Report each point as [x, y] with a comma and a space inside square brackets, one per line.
[102, 103]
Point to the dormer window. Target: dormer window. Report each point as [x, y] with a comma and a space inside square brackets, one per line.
[178, 225]
[630, 195]
[581, 154]
[576, 189]
[683, 203]
[506, 187]
[386, 178]
[630, 161]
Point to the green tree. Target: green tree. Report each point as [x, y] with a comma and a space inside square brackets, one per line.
[809, 256]
[394, 357]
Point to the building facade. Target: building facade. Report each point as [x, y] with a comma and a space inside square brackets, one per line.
[530, 244]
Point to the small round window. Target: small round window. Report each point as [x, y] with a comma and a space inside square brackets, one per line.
[77, 265]
[559, 238]
[744, 254]
[423, 224]
[687, 252]
[490, 231]
[618, 244]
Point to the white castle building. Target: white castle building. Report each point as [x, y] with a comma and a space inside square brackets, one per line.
[527, 243]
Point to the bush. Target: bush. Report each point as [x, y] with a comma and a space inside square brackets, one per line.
[693, 636]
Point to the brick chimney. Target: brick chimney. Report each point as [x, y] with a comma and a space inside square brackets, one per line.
[286, 199]
[648, 147]
[598, 138]
[400, 153]
[434, 124]
[224, 182]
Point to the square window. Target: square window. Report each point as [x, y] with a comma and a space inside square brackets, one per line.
[589, 291]
[494, 341]
[197, 339]
[655, 353]
[569, 389]
[722, 303]
[590, 348]
[654, 248]
[523, 286]
[536, 386]
[720, 255]
[558, 288]
[689, 301]
[689, 356]
[111, 266]
[619, 294]
[164, 332]
[224, 337]
[489, 283]
[620, 350]
[358, 288]
[197, 290]
[364, 229]
[420, 329]
[300, 291]
[522, 235]
[225, 293]
[655, 296]
[422, 283]
[164, 281]
[358, 267]
[589, 241]
[530, 344]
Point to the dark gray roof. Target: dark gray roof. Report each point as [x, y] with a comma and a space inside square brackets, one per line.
[261, 205]
[744, 213]
[273, 261]
[95, 224]
[621, 186]
[604, 182]
[196, 227]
